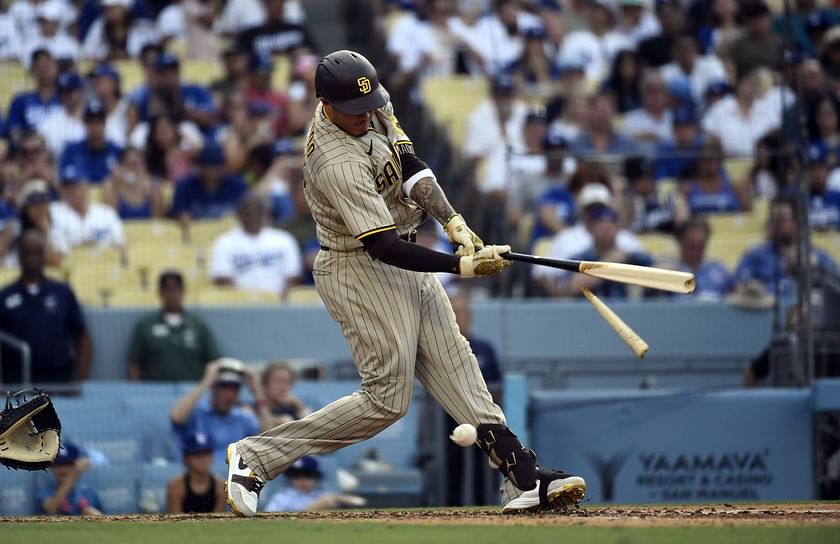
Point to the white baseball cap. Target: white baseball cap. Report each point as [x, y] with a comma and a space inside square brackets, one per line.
[51, 11]
[123, 3]
[594, 193]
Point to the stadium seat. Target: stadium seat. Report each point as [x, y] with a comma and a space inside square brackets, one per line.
[95, 283]
[152, 232]
[451, 100]
[221, 296]
[659, 246]
[738, 169]
[93, 256]
[17, 493]
[8, 275]
[303, 294]
[828, 242]
[116, 486]
[133, 299]
[202, 72]
[13, 79]
[131, 73]
[202, 234]
[150, 258]
[152, 485]
[281, 75]
[542, 246]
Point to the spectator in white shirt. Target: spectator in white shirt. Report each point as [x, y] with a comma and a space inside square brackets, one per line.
[597, 47]
[105, 83]
[254, 256]
[82, 222]
[117, 34]
[652, 123]
[9, 39]
[637, 21]
[64, 125]
[239, 15]
[51, 35]
[739, 121]
[700, 71]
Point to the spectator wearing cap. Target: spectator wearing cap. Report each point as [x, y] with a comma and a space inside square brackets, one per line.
[65, 495]
[651, 124]
[28, 108]
[260, 95]
[650, 211]
[554, 209]
[32, 160]
[33, 204]
[218, 414]
[304, 492]
[592, 190]
[599, 137]
[602, 224]
[105, 83]
[824, 208]
[301, 94]
[715, 92]
[117, 34]
[739, 121]
[596, 46]
[806, 20]
[496, 126]
[758, 47]
[658, 49]
[92, 157]
[253, 255]
[673, 158]
[52, 35]
[712, 280]
[718, 26]
[534, 68]
[197, 490]
[636, 21]
[234, 79]
[82, 222]
[171, 344]
[624, 81]
[210, 193]
[45, 314]
[688, 64]
[65, 125]
[166, 94]
[824, 128]
[276, 36]
[709, 189]
[131, 190]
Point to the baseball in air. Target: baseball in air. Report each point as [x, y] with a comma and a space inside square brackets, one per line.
[464, 435]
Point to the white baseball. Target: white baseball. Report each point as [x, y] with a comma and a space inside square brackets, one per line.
[464, 435]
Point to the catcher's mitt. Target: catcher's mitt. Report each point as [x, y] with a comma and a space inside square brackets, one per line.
[30, 431]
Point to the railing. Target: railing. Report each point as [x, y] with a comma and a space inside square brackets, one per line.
[25, 356]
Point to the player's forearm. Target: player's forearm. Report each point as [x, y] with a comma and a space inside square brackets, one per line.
[417, 258]
[429, 196]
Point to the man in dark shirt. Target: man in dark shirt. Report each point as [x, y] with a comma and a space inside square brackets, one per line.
[28, 108]
[275, 36]
[171, 344]
[759, 47]
[657, 50]
[46, 315]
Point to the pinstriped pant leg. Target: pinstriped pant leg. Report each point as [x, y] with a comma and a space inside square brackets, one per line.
[446, 365]
[376, 307]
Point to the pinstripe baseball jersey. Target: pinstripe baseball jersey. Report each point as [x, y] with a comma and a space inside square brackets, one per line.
[353, 185]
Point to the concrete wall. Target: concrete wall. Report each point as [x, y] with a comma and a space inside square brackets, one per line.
[521, 331]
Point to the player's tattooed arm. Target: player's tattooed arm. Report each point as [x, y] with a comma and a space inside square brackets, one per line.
[429, 196]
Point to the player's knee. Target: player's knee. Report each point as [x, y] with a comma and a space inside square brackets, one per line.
[390, 408]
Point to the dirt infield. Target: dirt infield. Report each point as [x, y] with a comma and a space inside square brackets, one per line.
[618, 516]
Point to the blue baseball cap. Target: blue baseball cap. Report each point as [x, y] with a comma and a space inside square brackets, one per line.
[95, 109]
[569, 63]
[534, 33]
[70, 175]
[68, 453]
[211, 155]
[259, 107]
[719, 87]
[503, 84]
[552, 5]
[600, 212]
[261, 62]
[817, 154]
[555, 140]
[283, 146]
[198, 442]
[69, 82]
[167, 60]
[818, 21]
[685, 116]
[305, 467]
[680, 88]
[105, 70]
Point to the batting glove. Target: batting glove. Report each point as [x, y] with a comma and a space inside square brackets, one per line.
[462, 236]
[486, 262]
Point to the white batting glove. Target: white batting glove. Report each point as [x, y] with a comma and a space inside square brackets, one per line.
[486, 262]
[462, 236]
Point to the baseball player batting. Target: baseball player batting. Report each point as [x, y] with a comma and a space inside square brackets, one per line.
[368, 192]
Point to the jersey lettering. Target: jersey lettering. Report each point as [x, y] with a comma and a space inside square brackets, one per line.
[388, 177]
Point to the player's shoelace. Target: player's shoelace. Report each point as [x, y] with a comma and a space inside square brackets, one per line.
[250, 483]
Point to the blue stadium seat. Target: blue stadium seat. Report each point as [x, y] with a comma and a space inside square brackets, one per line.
[152, 485]
[17, 493]
[116, 486]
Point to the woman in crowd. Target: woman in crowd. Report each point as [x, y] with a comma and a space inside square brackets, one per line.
[117, 34]
[169, 149]
[824, 128]
[131, 190]
[709, 189]
[280, 404]
[624, 81]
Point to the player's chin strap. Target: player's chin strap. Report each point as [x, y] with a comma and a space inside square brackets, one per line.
[515, 462]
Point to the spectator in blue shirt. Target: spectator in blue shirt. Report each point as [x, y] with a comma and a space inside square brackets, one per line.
[555, 208]
[824, 128]
[673, 158]
[708, 189]
[773, 263]
[712, 279]
[599, 136]
[305, 492]
[65, 495]
[218, 415]
[602, 224]
[30, 107]
[210, 193]
[45, 314]
[166, 94]
[824, 209]
[94, 157]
